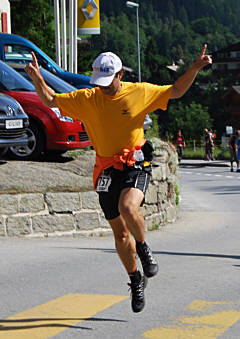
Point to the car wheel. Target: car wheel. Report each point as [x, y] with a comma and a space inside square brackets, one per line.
[34, 149]
[3, 151]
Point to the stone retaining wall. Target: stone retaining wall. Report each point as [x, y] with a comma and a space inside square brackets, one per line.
[79, 213]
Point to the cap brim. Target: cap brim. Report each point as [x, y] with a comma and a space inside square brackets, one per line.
[96, 79]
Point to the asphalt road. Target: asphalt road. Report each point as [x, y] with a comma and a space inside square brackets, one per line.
[76, 288]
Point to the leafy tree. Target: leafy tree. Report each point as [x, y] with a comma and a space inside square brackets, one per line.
[155, 65]
[34, 22]
[191, 119]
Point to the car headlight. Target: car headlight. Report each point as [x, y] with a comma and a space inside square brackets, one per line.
[60, 117]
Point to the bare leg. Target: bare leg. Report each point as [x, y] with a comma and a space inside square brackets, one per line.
[124, 244]
[129, 208]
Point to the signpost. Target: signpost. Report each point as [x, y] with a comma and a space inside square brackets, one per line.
[88, 17]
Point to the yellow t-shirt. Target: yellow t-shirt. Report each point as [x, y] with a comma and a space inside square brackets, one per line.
[114, 122]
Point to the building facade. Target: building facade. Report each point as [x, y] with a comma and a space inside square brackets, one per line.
[226, 61]
[231, 101]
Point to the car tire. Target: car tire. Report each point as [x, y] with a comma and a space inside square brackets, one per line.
[3, 151]
[36, 145]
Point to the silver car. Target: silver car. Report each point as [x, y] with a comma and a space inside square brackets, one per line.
[13, 124]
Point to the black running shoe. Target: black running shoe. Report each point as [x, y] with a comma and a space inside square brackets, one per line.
[137, 292]
[149, 264]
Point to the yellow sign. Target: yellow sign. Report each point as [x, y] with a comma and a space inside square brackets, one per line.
[88, 17]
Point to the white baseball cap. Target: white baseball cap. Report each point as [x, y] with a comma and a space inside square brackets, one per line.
[105, 66]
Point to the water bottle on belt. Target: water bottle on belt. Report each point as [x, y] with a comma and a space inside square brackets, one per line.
[138, 154]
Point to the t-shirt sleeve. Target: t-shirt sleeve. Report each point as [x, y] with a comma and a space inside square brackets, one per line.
[157, 96]
[72, 104]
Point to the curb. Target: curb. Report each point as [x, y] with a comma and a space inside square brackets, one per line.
[203, 163]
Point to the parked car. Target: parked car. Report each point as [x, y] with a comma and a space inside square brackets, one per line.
[48, 129]
[13, 124]
[56, 83]
[14, 48]
[147, 123]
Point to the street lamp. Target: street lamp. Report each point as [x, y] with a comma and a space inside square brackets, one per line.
[131, 4]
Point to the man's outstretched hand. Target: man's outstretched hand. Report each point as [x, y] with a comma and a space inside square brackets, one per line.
[32, 68]
[203, 59]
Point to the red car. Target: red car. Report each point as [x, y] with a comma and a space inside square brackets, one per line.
[48, 129]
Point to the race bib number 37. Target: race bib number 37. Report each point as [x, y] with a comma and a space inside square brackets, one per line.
[103, 183]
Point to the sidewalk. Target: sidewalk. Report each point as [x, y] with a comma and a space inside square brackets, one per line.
[203, 163]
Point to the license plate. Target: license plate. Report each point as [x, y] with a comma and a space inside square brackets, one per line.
[18, 123]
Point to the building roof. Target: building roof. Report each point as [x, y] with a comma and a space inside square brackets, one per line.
[236, 89]
[230, 48]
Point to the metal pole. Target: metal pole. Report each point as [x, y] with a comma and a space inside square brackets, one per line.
[138, 46]
[71, 14]
[57, 32]
[64, 43]
[75, 68]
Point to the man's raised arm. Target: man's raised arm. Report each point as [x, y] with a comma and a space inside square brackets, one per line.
[185, 81]
[46, 94]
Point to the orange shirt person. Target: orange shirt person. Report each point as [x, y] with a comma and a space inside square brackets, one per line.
[113, 114]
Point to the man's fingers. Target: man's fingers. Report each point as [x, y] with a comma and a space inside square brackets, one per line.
[203, 51]
[35, 63]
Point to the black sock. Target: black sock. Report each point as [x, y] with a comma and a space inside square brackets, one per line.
[135, 277]
[140, 243]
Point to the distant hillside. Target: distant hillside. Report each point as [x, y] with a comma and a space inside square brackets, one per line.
[225, 12]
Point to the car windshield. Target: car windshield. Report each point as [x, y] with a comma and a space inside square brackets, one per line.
[10, 80]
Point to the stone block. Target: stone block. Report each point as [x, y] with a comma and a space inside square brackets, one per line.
[171, 212]
[151, 194]
[52, 223]
[155, 221]
[18, 226]
[2, 229]
[162, 191]
[149, 209]
[87, 220]
[31, 203]
[8, 203]
[103, 220]
[63, 202]
[90, 200]
[157, 172]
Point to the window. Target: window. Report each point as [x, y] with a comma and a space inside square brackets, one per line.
[17, 54]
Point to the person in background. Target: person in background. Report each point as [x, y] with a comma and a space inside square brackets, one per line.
[211, 144]
[180, 141]
[237, 147]
[113, 113]
[232, 149]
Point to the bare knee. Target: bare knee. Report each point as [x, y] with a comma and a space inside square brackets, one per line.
[128, 210]
[122, 237]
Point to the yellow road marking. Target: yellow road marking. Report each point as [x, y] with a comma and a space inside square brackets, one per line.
[202, 305]
[208, 326]
[55, 316]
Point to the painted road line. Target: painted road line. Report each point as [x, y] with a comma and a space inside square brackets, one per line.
[55, 316]
[218, 317]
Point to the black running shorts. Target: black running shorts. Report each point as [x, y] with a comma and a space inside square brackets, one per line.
[129, 177]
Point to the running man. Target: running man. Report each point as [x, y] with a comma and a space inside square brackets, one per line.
[113, 114]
